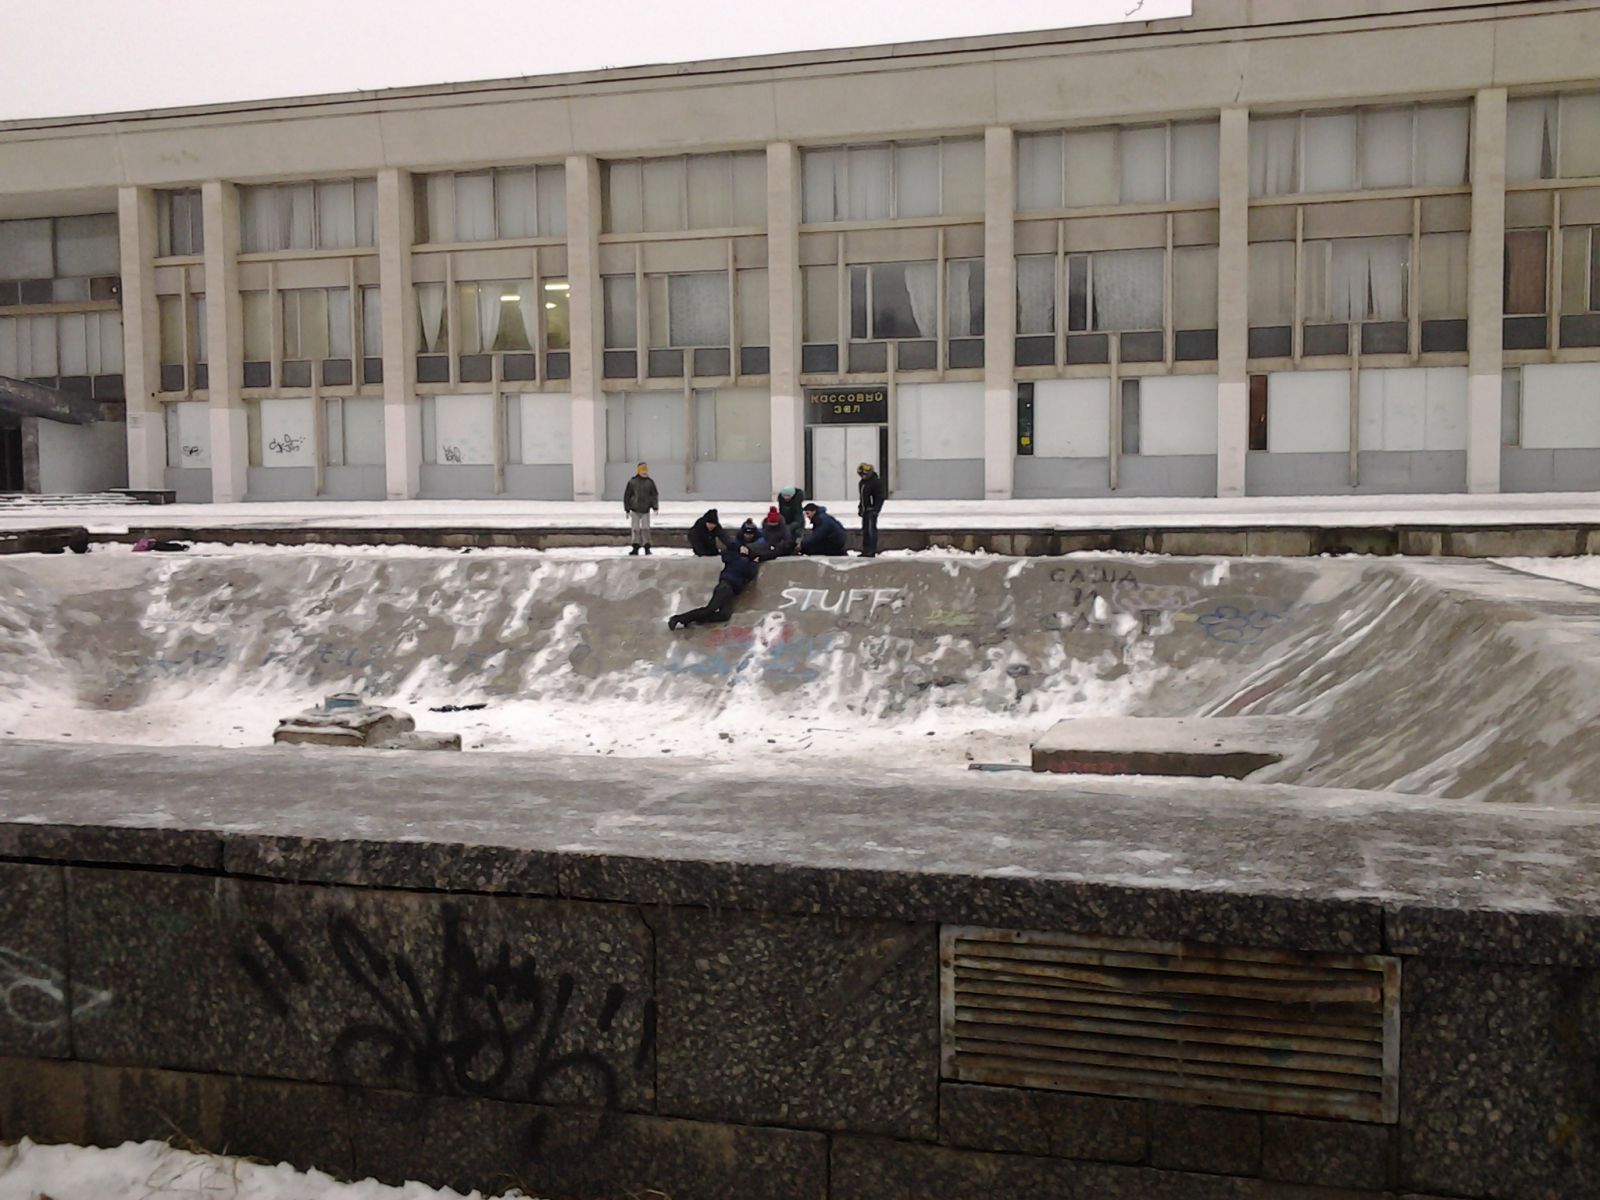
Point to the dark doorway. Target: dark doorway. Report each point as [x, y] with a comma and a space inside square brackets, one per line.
[10, 458]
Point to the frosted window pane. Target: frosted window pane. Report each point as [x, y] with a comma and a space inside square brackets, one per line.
[699, 309]
[624, 198]
[1036, 293]
[440, 193]
[1128, 289]
[552, 201]
[710, 191]
[297, 217]
[256, 219]
[904, 300]
[657, 328]
[371, 322]
[663, 194]
[287, 434]
[963, 177]
[338, 300]
[750, 189]
[366, 212]
[25, 250]
[516, 203]
[336, 215]
[821, 185]
[916, 179]
[963, 306]
[1330, 149]
[868, 174]
[546, 433]
[1580, 136]
[169, 316]
[1038, 171]
[1386, 148]
[1144, 165]
[363, 431]
[87, 246]
[1271, 300]
[1444, 145]
[1443, 282]
[1195, 150]
[1091, 165]
[620, 312]
[656, 427]
[464, 430]
[819, 287]
[1530, 139]
[752, 289]
[475, 207]
[1274, 156]
[1194, 287]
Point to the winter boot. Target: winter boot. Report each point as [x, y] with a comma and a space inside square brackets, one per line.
[634, 551]
[647, 548]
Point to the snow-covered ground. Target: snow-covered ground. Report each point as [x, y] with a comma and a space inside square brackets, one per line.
[157, 1171]
[1098, 513]
[1583, 570]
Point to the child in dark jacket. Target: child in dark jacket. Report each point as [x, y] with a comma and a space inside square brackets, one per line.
[707, 537]
[827, 536]
[739, 567]
[776, 540]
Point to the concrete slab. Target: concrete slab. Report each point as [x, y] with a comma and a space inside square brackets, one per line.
[1231, 747]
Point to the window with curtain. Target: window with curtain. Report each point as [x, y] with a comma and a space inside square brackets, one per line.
[1036, 294]
[695, 191]
[733, 425]
[1355, 279]
[1442, 277]
[1526, 278]
[819, 294]
[256, 317]
[497, 315]
[316, 322]
[326, 215]
[898, 180]
[557, 317]
[180, 226]
[433, 330]
[963, 305]
[1127, 289]
[1531, 139]
[1579, 149]
[1360, 149]
[620, 301]
[371, 323]
[1271, 298]
[1140, 164]
[503, 204]
[893, 300]
[688, 310]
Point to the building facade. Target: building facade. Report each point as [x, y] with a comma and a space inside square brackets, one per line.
[1268, 249]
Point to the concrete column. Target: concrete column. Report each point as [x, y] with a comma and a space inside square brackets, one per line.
[999, 313]
[587, 317]
[141, 338]
[230, 450]
[1485, 296]
[402, 415]
[784, 307]
[1233, 313]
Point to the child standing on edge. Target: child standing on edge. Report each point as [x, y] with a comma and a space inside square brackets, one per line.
[639, 499]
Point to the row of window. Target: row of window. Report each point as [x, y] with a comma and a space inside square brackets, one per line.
[61, 344]
[53, 260]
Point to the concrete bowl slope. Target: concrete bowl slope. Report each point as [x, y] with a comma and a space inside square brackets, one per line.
[599, 977]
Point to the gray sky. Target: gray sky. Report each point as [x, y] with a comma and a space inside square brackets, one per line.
[95, 56]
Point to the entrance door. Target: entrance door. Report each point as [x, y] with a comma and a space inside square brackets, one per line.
[835, 452]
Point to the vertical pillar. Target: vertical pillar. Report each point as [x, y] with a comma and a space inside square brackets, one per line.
[141, 338]
[784, 307]
[586, 316]
[999, 313]
[230, 450]
[1485, 297]
[402, 415]
[1233, 312]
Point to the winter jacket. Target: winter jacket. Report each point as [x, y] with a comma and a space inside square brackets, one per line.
[707, 543]
[738, 570]
[827, 536]
[872, 494]
[748, 535]
[776, 540]
[640, 496]
[792, 510]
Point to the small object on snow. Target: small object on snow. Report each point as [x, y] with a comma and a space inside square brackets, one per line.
[728, 737]
[978, 766]
[159, 544]
[458, 707]
[339, 722]
[342, 700]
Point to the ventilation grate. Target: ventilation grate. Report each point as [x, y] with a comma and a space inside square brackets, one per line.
[1315, 1034]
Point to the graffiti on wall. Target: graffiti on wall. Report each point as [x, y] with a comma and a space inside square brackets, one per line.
[35, 994]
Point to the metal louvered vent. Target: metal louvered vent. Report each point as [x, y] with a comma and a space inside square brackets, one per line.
[1315, 1034]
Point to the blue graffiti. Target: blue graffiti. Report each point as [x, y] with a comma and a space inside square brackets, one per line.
[1238, 626]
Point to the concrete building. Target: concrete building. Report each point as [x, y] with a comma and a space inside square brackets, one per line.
[1272, 248]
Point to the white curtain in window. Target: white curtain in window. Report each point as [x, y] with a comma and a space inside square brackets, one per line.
[624, 197]
[1271, 297]
[1580, 136]
[530, 300]
[489, 304]
[87, 246]
[922, 286]
[1530, 139]
[475, 207]
[297, 217]
[1039, 179]
[371, 323]
[1036, 293]
[441, 192]
[663, 194]
[336, 215]
[621, 312]
[552, 201]
[1128, 289]
[868, 174]
[1330, 152]
[821, 182]
[961, 164]
[1444, 135]
[1443, 279]
[1194, 287]
[1274, 156]
[338, 323]
[710, 191]
[516, 203]
[1091, 167]
[430, 309]
[1356, 279]
[257, 220]
[1386, 147]
[1195, 150]
[1144, 165]
[963, 307]
[916, 179]
[698, 308]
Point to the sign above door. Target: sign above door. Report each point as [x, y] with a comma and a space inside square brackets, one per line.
[847, 406]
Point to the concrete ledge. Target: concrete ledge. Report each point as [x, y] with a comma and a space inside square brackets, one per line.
[1230, 747]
